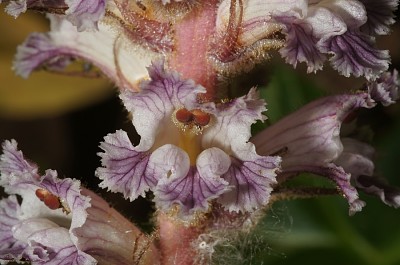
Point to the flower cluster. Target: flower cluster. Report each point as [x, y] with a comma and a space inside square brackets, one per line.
[196, 154]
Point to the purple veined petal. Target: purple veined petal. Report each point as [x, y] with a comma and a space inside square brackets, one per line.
[311, 134]
[340, 178]
[231, 129]
[112, 239]
[256, 20]
[378, 187]
[12, 161]
[59, 246]
[20, 177]
[301, 44]
[252, 183]
[153, 106]
[85, 14]
[124, 167]
[356, 158]
[16, 7]
[309, 141]
[65, 211]
[353, 53]
[190, 187]
[352, 12]
[64, 43]
[385, 89]
[10, 248]
[380, 16]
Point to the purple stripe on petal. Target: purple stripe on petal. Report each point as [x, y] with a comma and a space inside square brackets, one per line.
[301, 44]
[380, 16]
[354, 54]
[85, 14]
[251, 183]
[340, 178]
[55, 49]
[124, 168]
[112, 239]
[193, 187]
[152, 107]
[10, 248]
[385, 89]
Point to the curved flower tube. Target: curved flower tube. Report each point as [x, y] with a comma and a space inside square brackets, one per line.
[313, 30]
[58, 222]
[309, 139]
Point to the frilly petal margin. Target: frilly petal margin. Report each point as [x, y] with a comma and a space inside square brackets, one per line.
[56, 48]
[301, 44]
[380, 16]
[124, 167]
[252, 183]
[354, 53]
[89, 233]
[20, 177]
[10, 248]
[309, 139]
[386, 88]
[157, 100]
[192, 188]
[85, 15]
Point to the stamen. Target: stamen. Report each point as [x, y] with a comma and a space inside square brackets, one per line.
[184, 116]
[49, 199]
[52, 201]
[201, 118]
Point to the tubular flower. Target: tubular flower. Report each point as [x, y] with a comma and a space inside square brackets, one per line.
[189, 153]
[58, 222]
[309, 141]
[239, 34]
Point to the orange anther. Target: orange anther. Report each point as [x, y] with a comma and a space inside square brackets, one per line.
[184, 116]
[49, 199]
[201, 118]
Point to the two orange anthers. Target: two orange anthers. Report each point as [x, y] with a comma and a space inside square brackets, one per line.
[196, 116]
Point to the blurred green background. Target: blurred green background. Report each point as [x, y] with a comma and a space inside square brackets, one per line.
[59, 121]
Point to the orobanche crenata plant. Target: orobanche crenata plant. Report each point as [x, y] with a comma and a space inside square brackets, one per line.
[172, 62]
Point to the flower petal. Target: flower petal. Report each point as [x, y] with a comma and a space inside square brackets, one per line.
[124, 167]
[252, 183]
[190, 187]
[111, 239]
[10, 248]
[342, 181]
[356, 158]
[378, 187]
[380, 16]
[256, 19]
[301, 44]
[85, 14]
[66, 208]
[231, 129]
[152, 107]
[309, 140]
[386, 88]
[63, 43]
[354, 54]
[59, 246]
